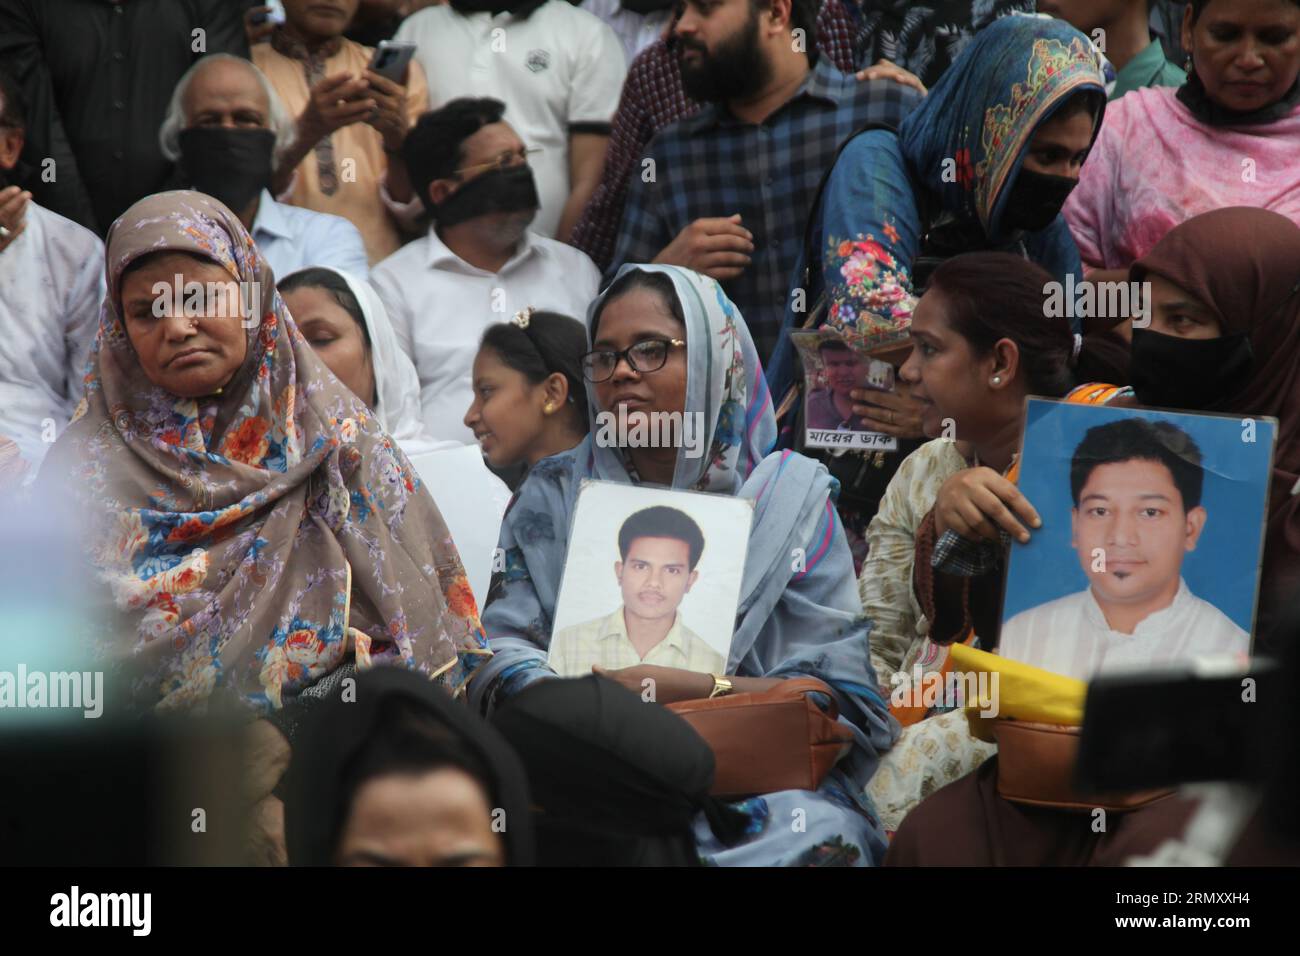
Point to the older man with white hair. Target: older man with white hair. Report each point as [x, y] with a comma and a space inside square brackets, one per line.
[225, 126]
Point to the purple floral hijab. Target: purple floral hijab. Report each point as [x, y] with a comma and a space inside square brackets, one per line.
[252, 540]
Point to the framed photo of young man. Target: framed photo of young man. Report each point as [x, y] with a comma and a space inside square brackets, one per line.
[652, 576]
[1152, 536]
[832, 369]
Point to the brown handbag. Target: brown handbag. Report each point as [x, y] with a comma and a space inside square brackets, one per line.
[774, 740]
[1036, 767]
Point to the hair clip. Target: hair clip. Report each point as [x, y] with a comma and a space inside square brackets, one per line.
[523, 317]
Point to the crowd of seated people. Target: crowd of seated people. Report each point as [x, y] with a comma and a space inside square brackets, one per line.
[322, 354]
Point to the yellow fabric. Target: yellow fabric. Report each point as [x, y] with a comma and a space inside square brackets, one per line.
[1024, 692]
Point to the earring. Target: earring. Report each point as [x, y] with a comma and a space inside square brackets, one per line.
[997, 379]
[548, 408]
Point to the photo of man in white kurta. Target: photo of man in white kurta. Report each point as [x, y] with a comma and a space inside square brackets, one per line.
[1137, 514]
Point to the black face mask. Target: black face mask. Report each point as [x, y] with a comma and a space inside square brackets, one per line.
[1168, 371]
[498, 190]
[1036, 200]
[232, 165]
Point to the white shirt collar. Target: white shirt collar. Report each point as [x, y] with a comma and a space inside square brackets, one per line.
[441, 257]
[270, 218]
[1151, 624]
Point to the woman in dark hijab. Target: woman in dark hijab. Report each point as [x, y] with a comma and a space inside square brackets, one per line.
[1225, 337]
[390, 771]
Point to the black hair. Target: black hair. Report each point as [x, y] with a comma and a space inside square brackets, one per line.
[661, 521]
[331, 282]
[434, 146]
[1137, 439]
[998, 295]
[803, 16]
[634, 279]
[833, 345]
[551, 343]
[1092, 102]
[407, 739]
[1198, 7]
[13, 109]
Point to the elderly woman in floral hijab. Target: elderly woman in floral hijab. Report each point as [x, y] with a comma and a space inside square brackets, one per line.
[257, 530]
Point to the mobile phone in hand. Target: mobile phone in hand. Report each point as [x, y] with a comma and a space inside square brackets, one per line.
[392, 58]
[273, 14]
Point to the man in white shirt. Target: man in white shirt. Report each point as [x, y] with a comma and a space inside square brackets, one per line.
[660, 548]
[1137, 513]
[51, 289]
[636, 23]
[558, 69]
[225, 125]
[479, 263]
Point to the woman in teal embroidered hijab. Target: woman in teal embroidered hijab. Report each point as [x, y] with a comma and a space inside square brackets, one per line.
[799, 611]
[985, 163]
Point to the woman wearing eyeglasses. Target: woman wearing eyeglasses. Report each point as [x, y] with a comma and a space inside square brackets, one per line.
[667, 340]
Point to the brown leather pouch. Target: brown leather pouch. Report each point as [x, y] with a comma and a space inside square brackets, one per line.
[770, 741]
[1036, 767]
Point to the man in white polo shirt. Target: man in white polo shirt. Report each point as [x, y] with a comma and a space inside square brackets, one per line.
[558, 69]
[1137, 514]
[479, 263]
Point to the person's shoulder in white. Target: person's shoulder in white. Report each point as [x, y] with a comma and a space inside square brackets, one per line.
[325, 239]
[569, 257]
[71, 241]
[412, 256]
[426, 24]
[1031, 621]
[1213, 631]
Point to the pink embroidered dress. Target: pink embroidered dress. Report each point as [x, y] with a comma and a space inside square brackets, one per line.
[1156, 165]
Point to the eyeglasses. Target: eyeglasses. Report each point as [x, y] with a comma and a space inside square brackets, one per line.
[648, 356]
[514, 157]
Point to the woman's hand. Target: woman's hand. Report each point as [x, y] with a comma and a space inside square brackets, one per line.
[664, 685]
[977, 502]
[885, 70]
[894, 413]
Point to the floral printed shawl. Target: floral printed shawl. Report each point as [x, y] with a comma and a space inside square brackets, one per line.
[799, 611]
[250, 540]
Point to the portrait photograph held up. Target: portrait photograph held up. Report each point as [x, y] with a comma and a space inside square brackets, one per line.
[652, 577]
[1149, 552]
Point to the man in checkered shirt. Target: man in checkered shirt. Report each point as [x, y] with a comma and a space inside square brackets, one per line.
[726, 192]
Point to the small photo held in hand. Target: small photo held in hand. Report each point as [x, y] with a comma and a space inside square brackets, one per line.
[832, 370]
[652, 577]
[1152, 537]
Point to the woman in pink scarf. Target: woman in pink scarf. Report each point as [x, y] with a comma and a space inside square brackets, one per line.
[1229, 137]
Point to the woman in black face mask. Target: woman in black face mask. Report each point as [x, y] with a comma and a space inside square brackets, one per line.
[983, 164]
[1224, 336]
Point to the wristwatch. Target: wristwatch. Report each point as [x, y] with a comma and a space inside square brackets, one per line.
[722, 686]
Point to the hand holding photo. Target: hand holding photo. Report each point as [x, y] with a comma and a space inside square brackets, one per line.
[1166, 518]
[652, 577]
[833, 370]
